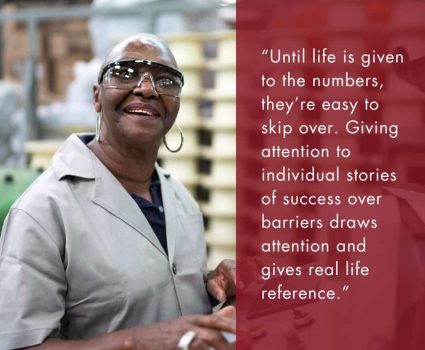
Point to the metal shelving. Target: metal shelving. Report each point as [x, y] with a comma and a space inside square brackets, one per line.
[32, 17]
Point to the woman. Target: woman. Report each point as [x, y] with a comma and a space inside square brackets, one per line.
[105, 250]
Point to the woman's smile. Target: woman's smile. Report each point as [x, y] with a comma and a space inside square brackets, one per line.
[141, 110]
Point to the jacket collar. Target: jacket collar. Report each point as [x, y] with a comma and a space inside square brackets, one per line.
[74, 158]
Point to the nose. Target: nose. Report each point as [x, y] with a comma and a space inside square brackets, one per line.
[146, 85]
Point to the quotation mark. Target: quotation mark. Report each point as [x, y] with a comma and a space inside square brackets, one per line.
[344, 289]
[265, 52]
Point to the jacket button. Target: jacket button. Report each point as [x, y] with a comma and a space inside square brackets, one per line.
[174, 268]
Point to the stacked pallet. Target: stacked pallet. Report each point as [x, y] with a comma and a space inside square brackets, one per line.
[60, 44]
[207, 162]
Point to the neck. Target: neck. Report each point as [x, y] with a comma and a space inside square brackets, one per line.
[133, 169]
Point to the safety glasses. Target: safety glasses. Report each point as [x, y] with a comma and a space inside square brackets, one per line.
[129, 74]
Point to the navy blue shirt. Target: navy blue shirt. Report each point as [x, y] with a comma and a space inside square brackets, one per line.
[154, 211]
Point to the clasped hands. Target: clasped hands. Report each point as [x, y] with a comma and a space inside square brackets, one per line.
[202, 332]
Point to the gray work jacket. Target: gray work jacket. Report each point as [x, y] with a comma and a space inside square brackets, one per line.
[78, 258]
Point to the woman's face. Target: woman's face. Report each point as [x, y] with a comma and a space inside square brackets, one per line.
[137, 118]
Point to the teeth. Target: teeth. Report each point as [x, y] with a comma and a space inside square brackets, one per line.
[139, 111]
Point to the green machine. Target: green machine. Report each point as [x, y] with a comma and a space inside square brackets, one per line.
[13, 182]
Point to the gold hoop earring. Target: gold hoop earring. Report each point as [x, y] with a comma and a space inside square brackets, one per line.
[181, 141]
[98, 126]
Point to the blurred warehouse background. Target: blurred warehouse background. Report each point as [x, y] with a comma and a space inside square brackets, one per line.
[50, 53]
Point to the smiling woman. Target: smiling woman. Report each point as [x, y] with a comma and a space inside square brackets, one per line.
[137, 99]
[107, 249]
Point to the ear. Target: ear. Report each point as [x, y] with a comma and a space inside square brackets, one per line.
[96, 98]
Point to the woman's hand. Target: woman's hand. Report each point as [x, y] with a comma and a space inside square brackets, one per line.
[166, 335]
[221, 283]
[209, 329]
[160, 336]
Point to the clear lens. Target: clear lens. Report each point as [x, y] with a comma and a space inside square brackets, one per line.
[127, 76]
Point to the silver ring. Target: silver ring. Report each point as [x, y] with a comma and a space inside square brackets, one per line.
[186, 339]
